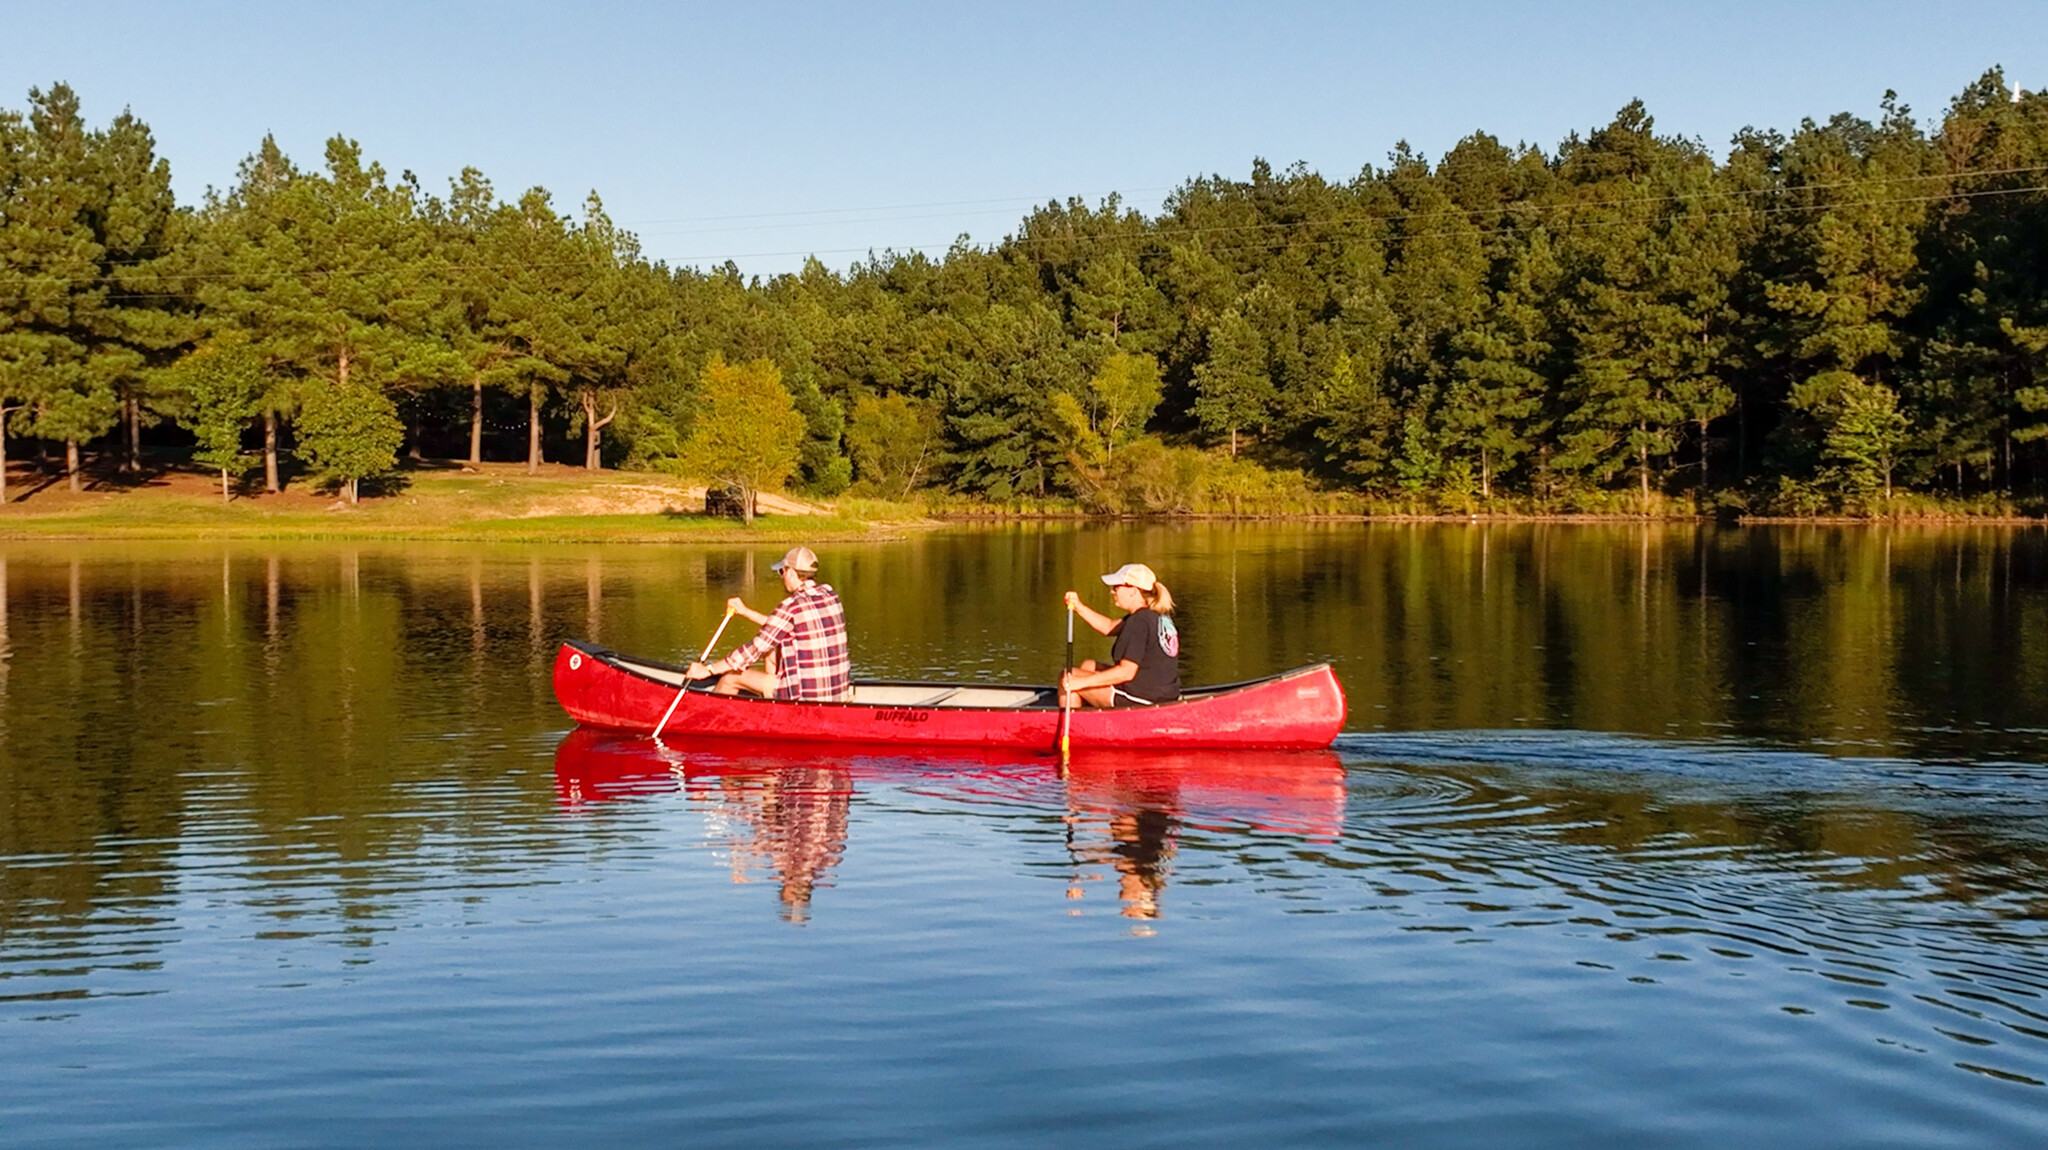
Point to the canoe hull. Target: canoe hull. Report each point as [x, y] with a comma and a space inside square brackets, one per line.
[1303, 708]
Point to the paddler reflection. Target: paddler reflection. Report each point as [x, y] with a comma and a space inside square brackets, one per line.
[785, 822]
[1126, 813]
[781, 818]
[1136, 845]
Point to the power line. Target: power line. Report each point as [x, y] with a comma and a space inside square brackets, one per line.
[1156, 235]
[882, 208]
[1333, 220]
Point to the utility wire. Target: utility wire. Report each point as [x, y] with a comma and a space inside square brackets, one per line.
[1518, 207]
[1026, 245]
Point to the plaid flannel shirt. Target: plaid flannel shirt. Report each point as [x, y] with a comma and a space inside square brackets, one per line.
[808, 630]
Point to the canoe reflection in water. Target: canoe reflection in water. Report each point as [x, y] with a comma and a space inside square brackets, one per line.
[782, 808]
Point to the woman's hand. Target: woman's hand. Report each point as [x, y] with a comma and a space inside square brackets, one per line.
[1100, 623]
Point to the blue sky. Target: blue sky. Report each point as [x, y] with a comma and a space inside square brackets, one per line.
[760, 132]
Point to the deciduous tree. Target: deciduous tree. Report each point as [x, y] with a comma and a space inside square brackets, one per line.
[221, 386]
[349, 432]
[748, 430]
[894, 440]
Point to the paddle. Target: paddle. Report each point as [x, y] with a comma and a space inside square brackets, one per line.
[1067, 696]
[686, 683]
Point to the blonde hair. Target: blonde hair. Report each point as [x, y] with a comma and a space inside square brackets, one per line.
[1158, 598]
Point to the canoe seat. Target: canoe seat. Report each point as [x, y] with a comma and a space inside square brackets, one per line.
[890, 694]
[990, 697]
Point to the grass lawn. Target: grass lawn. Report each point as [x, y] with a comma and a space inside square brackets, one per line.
[496, 502]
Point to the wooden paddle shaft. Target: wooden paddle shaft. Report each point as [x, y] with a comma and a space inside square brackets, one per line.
[1066, 696]
[677, 701]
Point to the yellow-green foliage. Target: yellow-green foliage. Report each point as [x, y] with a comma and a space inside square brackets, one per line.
[748, 433]
[895, 441]
[1150, 478]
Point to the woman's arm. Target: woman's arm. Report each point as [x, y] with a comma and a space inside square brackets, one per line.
[1115, 676]
[1103, 624]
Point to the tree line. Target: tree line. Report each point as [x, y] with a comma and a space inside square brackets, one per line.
[1810, 321]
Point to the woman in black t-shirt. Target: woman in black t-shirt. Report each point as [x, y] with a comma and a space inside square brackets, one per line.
[1144, 663]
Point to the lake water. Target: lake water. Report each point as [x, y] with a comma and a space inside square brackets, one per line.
[1657, 835]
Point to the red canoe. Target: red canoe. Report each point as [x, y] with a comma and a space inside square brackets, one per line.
[1302, 708]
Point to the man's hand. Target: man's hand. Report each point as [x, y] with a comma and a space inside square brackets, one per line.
[737, 606]
[1073, 600]
[697, 670]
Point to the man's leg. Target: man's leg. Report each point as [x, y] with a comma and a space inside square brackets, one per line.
[758, 682]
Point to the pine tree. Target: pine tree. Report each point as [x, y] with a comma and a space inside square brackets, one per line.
[1112, 300]
[1647, 265]
[1986, 309]
[333, 278]
[82, 225]
[1437, 277]
[1853, 283]
[995, 372]
[1499, 382]
[1233, 387]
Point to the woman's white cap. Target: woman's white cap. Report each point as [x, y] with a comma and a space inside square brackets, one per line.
[1136, 574]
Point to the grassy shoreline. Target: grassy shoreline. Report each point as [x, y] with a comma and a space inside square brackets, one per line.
[500, 503]
[494, 503]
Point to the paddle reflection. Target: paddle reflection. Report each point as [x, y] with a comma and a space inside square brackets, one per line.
[781, 811]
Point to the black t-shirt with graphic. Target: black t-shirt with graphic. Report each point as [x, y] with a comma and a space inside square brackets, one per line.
[1150, 640]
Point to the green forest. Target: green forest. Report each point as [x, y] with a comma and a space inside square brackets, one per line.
[1849, 317]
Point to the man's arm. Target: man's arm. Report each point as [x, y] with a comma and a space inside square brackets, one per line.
[775, 630]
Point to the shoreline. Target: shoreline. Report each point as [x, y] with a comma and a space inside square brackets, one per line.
[651, 530]
[1567, 517]
[453, 502]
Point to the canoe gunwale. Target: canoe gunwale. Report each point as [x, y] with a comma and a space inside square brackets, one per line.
[626, 665]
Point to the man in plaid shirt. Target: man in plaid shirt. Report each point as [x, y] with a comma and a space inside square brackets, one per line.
[804, 641]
